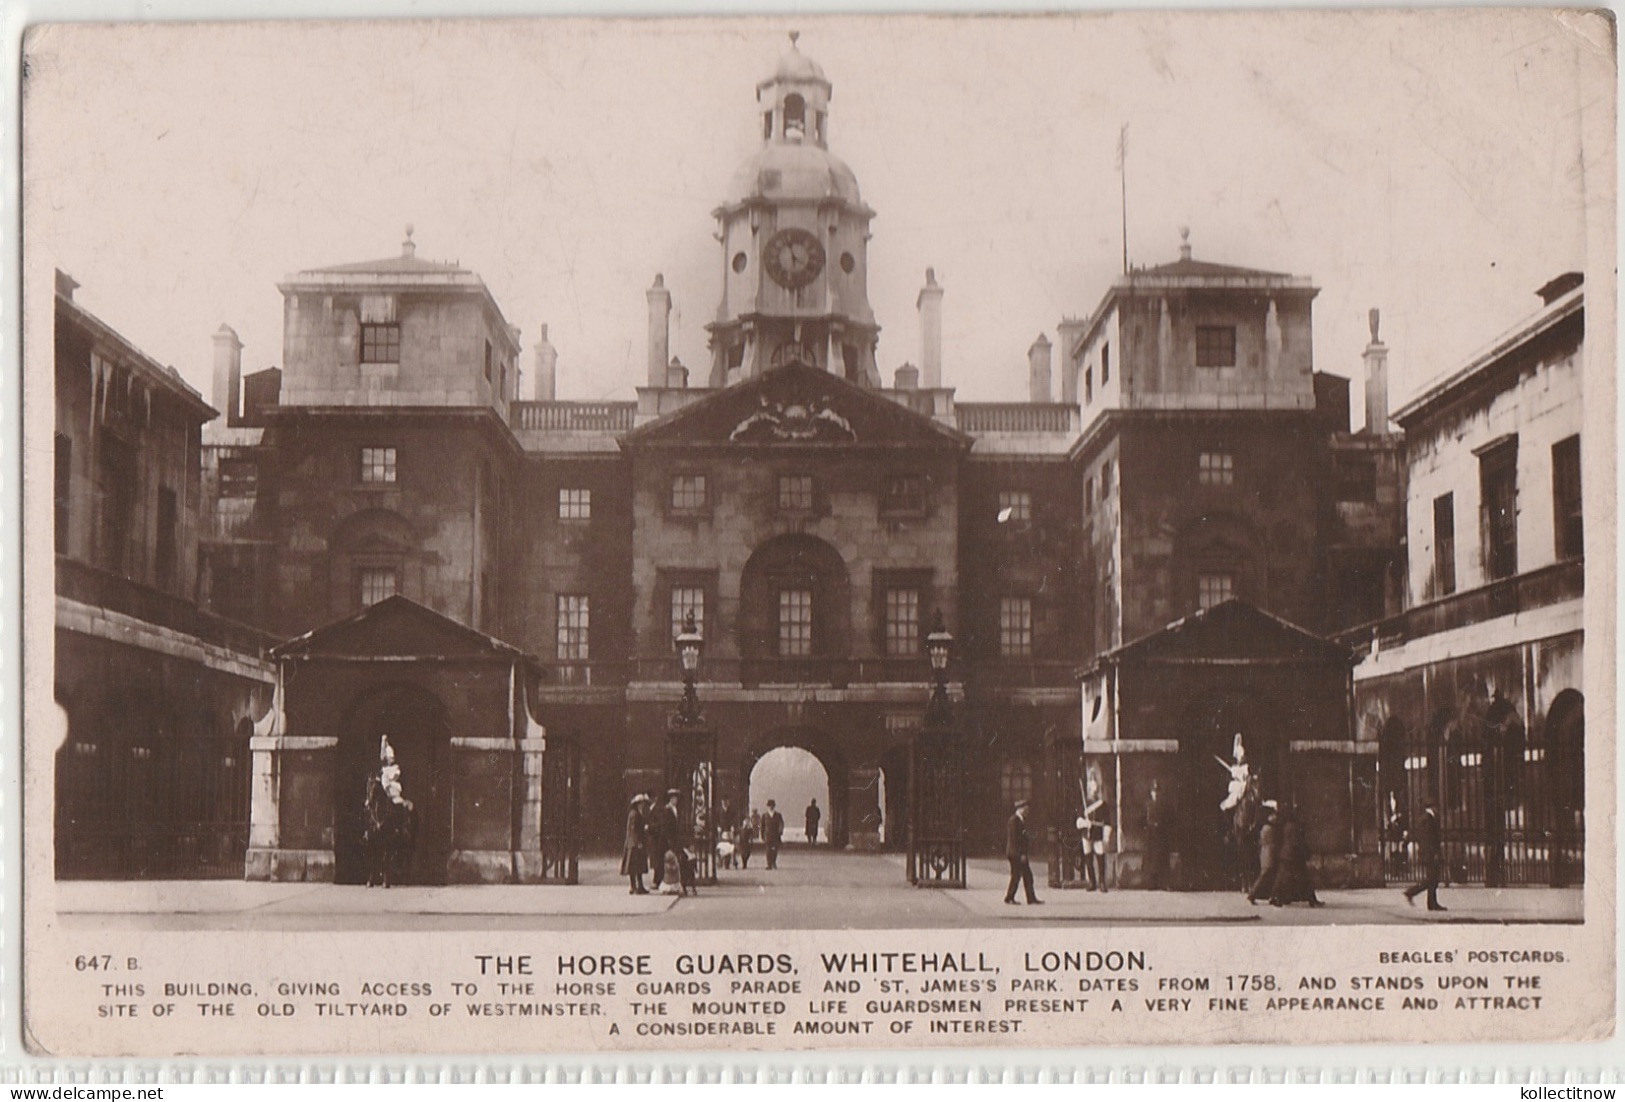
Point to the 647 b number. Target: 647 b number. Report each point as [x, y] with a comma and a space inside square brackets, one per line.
[88, 962]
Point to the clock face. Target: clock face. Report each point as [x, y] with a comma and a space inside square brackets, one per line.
[793, 258]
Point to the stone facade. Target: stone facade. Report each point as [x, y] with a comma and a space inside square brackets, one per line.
[1475, 693]
[152, 779]
[815, 520]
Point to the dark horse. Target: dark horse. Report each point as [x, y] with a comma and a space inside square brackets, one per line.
[388, 833]
[1241, 838]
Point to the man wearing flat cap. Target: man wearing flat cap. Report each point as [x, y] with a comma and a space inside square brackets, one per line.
[1016, 846]
[635, 854]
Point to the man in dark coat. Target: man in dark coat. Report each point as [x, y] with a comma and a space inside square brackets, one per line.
[635, 854]
[745, 841]
[1293, 884]
[1016, 846]
[663, 835]
[814, 816]
[1158, 827]
[772, 834]
[1429, 845]
[1269, 853]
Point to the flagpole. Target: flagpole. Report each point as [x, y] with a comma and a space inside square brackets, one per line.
[1122, 176]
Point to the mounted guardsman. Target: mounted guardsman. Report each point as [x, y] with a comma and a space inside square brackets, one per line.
[1241, 804]
[389, 820]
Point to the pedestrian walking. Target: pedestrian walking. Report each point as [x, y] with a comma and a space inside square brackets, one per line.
[635, 853]
[772, 834]
[812, 819]
[1016, 847]
[1429, 845]
[1293, 883]
[747, 840]
[1158, 828]
[1269, 852]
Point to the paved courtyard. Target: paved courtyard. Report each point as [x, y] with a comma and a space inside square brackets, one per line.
[811, 889]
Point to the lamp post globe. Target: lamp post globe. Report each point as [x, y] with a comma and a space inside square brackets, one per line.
[690, 645]
[938, 646]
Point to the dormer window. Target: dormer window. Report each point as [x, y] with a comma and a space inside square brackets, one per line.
[381, 344]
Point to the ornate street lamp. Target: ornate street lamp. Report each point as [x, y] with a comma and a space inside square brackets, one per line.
[938, 645]
[690, 643]
[936, 837]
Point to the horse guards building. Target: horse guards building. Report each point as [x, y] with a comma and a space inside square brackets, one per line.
[1176, 546]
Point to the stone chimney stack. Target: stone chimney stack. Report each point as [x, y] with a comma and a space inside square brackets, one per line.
[1376, 379]
[908, 378]
[676, 375]
[659, 331]
[545, 387]
[1038, 371]
[930, 306]
[1070, 331]
[228, 373]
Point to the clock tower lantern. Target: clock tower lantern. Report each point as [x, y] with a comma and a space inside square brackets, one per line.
[795, 236]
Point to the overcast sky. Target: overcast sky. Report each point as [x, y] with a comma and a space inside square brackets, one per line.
[1427, 164]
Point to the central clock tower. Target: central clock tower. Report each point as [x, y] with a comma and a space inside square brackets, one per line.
[795, 238]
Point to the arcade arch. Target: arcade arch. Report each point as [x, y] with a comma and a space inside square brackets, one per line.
[813, 766]
[791, 777]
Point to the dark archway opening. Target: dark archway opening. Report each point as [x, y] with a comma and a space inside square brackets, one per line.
[1396, 801]
[415, 722]
[894, 799]
[1215, 850]
[1565, 763]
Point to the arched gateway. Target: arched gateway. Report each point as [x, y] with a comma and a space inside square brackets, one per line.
[834, 827]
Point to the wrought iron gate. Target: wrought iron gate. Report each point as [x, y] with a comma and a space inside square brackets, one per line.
[936, 794]
[155, 809]
[1504, 812]
[691, 769]
[561, 810]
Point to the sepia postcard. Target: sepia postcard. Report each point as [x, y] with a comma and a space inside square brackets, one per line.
[807, 533]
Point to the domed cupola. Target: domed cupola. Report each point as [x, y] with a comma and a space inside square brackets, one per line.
[794, 232]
